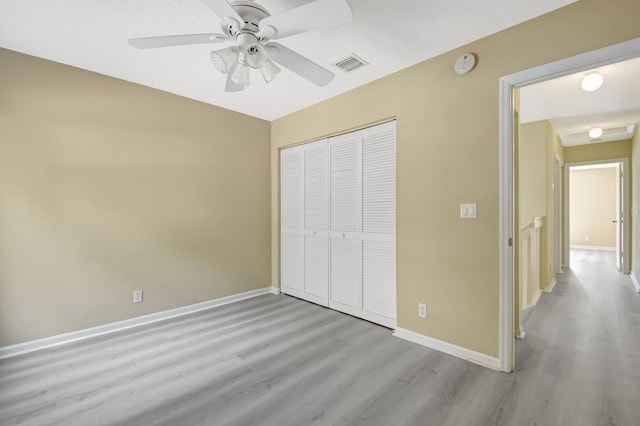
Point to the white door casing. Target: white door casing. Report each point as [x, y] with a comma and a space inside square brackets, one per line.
[583, 62]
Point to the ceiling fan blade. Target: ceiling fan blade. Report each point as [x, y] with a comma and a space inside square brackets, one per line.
[176, 40]
[300, 65]
[311, 16]
[223, 10]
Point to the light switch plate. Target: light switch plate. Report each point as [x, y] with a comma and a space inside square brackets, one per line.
[468, 211]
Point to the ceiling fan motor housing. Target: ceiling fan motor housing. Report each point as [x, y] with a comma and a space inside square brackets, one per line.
[251, 14]
[252, 53]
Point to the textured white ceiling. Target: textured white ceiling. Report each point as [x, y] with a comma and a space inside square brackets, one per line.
[389, 34]
[572, 111]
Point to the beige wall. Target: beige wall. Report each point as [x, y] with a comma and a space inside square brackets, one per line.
[107, 187]
[593, 207]
[447, 154]
[635, 206]
[532, 171]
[598, 151]
[538, 148]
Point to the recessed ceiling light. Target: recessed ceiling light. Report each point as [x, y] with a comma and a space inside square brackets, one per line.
[592, 81]
[595, 133]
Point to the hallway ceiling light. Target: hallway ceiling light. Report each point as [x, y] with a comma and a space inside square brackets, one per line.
[592, 81]
[595, 133]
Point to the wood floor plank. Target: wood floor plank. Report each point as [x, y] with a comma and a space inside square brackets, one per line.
[277, 360]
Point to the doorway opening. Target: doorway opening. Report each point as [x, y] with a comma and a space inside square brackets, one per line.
[565, 67]
[597, 209]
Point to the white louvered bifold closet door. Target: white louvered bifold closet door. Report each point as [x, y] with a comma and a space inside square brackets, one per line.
[344, 206]
[291, 220]
[339, 222]
[378, 232]
[316, 247]
[304, 238]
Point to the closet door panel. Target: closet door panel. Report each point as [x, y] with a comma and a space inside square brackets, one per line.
[292, 273]
[379, 224]
[315, 186]
[379, 183]
[292, 188]
[316, 268]
[379, 282]
[344, 178]
[344, 207]
[345, 275]
[305, 251]
[292, 215]
[316, 244]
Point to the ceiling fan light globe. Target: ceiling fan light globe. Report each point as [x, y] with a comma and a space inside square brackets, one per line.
[223, 59]
[269, 71]
[240, 75]
[218, 62]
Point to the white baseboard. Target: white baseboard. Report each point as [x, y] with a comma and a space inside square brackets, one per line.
[74, 336]
[635, 282]
[550, 287]
[448, 348]
[536, 297]
[275, 290]
[577, 246]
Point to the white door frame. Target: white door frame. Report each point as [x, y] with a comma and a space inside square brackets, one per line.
[622, 198]
[586, 61]
[558, 226]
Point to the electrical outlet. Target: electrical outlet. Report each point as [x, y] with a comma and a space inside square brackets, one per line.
[422, 310]
[137, 296]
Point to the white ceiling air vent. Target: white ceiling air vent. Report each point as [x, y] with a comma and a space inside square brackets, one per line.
[351, 63]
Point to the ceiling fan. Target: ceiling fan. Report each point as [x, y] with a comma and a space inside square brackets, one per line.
[253, 29]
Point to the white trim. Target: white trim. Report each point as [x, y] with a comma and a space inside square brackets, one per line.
[536, 297]
[557, 204]
[275, 290]
[448, 348]
[578, 246]
[74, 336]
[534, 302]
[635, 282]
[551, 286]
[506, 239]
[600, 57]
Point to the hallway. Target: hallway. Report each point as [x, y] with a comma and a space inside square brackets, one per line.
[581, 355]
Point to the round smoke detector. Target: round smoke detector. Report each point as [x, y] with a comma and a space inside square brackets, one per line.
[465, 63]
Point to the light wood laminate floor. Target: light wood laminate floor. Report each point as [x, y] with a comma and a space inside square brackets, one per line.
[276, 360]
